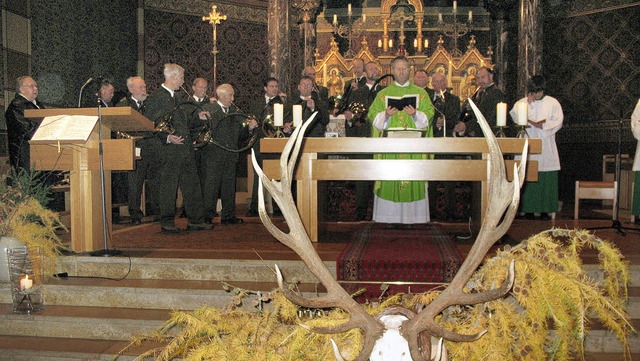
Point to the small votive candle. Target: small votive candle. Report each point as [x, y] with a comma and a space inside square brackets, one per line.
[501, 114]
[278, 115]
[26, 283]
[297, 115]
[523, 110]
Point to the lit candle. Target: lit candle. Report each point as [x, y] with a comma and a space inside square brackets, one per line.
[415, 43]
[335, 19]
[26, 283]
[349, 9]
[379, 43]
[297, 115]
[440, 17]
[455, 5]
[278, 115]
[391, 43]
[523, 109]
[364, 18]
[426, 43]
[470, 16]
[501, 111]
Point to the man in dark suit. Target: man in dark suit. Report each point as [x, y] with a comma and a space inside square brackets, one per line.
[262, 110]
[486, 98]
[178, 167]
[310, 104]
[147, 167]
[421, 79]
[358, 125]
[21, 129]
[447, 105]
[220, 159]
[323, 92]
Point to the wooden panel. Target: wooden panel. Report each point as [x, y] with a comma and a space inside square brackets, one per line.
[119, 154]
[115, 118]
[404, 145]
[50, 157]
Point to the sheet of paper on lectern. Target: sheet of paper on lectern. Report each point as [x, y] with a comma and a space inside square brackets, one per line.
[66, 128]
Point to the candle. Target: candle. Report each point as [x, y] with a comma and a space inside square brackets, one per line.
[26, 283]
[391, 43]
[522, 108]
[297, 115]
[335, 19]
[426, 43]
[455, 5]
[440, 17]
[379, 43]
[470, 16]
[349, 9]
[415, 43]
[364, 18]
[501, 119]
[278, 115]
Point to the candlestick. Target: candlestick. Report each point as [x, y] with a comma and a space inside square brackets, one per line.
[522, 108]
[297, 115]
[278, 115]
[501, 112]
[26, 283]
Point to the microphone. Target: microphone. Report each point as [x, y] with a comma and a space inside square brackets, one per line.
[89, 81]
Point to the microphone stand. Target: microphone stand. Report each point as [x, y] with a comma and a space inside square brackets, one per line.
[616, 222]
[105, 252]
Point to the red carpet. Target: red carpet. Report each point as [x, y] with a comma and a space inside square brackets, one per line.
[422, 253]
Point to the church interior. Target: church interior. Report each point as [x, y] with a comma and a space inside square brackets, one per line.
[587, 50]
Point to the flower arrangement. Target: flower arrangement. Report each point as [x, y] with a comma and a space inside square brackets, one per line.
[544, 316]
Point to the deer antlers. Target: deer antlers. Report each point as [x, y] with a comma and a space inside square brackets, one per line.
[503, 206]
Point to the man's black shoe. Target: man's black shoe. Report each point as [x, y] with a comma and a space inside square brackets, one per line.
[170, 229]
[544, 216]
[232, 221]
[252, 213]
[199, 226]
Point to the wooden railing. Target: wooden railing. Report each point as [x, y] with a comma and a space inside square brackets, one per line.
[314, 166]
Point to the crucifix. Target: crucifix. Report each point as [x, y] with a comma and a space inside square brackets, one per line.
[214, 19]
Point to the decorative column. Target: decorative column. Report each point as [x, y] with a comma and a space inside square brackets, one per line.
[530, 40]
[385, 34]
[419, 20]
[308, 11]
[499, 9]
[279, 39]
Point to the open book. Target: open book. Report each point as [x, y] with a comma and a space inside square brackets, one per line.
[400, 102]
[68, 128]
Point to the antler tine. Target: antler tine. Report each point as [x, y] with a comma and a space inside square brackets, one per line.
[503, 206]
[298, 240]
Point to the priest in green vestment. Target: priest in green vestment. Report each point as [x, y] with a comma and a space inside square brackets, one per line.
[401, 201]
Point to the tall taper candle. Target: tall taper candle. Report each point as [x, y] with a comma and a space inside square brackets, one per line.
[501, 111]
[297, 115]
[278, 115]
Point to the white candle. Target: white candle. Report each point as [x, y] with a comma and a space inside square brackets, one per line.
[349, 9]
[364, 18]
[26, 283]
[470, 16]
[501, 111]
[297, 115]
[426, 43]
[523, 109]
[440, 17]
[415, 43]
[335, 19]
[455, 5]
[278, 115]
[379, 43]
[391, 43]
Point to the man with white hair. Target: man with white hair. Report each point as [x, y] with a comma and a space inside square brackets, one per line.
[177, 166]
[21, 129]
[219, 160]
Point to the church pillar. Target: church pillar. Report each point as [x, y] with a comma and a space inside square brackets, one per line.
[499, 10]
[307, 12]
[279, 38]
[530, 40]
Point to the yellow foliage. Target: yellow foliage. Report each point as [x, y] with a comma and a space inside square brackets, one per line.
[543, 317]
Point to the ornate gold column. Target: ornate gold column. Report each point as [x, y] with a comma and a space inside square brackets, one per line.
[419, 20]
[385, 35]
[308, 10]
[278, 36]
[530, 40]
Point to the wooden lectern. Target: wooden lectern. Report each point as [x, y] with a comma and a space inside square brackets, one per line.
[83, 162]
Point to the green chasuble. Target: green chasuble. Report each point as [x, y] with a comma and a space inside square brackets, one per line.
[401, 191]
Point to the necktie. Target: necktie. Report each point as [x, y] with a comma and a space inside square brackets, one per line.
[139, 104]
[225, 110]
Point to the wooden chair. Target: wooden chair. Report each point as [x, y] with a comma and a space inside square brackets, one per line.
[596, 190]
